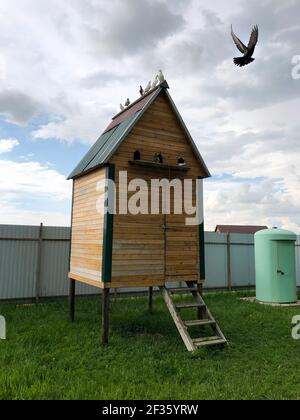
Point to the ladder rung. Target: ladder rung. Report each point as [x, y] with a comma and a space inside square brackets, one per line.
[209, 341]
[182, 290]
[199, 322]
[190, 305]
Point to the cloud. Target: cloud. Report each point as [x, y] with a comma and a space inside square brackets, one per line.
[131, 26]
[7, 145]
[31, 193]
[257, 202]
[77, 126]
[17, 215]
[17, 107]
[25, 178]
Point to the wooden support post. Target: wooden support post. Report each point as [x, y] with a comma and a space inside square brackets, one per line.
[200, 288]
[38, 278]
[202, 271]
[105, 316]
[201, 311]
[150, 299]
[72, 300]
[229, 263]
[72, 282]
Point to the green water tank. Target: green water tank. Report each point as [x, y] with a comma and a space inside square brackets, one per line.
[275, 266]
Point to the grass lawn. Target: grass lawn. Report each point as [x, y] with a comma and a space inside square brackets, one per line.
[46, 357]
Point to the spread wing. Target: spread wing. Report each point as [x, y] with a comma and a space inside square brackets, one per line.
[241, 47]
[253, 38]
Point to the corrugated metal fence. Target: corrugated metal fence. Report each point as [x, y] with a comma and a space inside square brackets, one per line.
[34, 262]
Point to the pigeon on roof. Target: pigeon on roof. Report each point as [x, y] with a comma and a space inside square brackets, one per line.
[148, 87]
[155, 82]
[127, 103]
[247, 51]
[141, 91]
[161, 77]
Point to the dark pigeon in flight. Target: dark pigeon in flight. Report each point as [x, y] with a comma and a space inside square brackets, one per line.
[247, 51]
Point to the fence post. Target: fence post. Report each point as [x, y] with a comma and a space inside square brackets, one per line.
[229, 263]
[38, 277]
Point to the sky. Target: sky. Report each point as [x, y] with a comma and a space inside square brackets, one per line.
[65, 66]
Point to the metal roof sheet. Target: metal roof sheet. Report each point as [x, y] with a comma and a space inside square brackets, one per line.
[239, 229]
[131, 110]
[112, 137]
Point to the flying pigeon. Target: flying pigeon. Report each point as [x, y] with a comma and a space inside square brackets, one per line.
[148, 87]
[141, 91]
[247, 51]
[122, 107]
[127, 103]
[161, 77]
[155, 82]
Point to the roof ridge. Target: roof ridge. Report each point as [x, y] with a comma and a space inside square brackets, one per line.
[161, 85]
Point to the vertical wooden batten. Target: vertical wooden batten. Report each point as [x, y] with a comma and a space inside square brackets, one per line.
[108, 234]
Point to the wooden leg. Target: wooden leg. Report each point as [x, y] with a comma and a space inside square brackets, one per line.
[105, 316]
[150, 299]
[201, 311]
[200, 288]
[72, 300]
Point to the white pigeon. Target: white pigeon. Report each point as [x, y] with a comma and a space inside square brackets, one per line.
[155, 82]
[122, 107]
[161, 77]
[148, 87]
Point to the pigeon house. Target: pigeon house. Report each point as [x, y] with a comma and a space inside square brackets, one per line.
[115, 249]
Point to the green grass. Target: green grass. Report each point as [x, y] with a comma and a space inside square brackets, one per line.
[46, 357]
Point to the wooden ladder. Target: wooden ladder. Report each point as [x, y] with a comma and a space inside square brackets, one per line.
[204, 317]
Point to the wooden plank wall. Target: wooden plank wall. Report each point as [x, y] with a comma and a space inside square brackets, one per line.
[143, 254]
[87, 227]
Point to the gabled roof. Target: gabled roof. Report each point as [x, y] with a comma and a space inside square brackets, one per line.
[120, 127]
[239, 229]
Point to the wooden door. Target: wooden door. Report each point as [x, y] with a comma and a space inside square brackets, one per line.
[181, 246]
